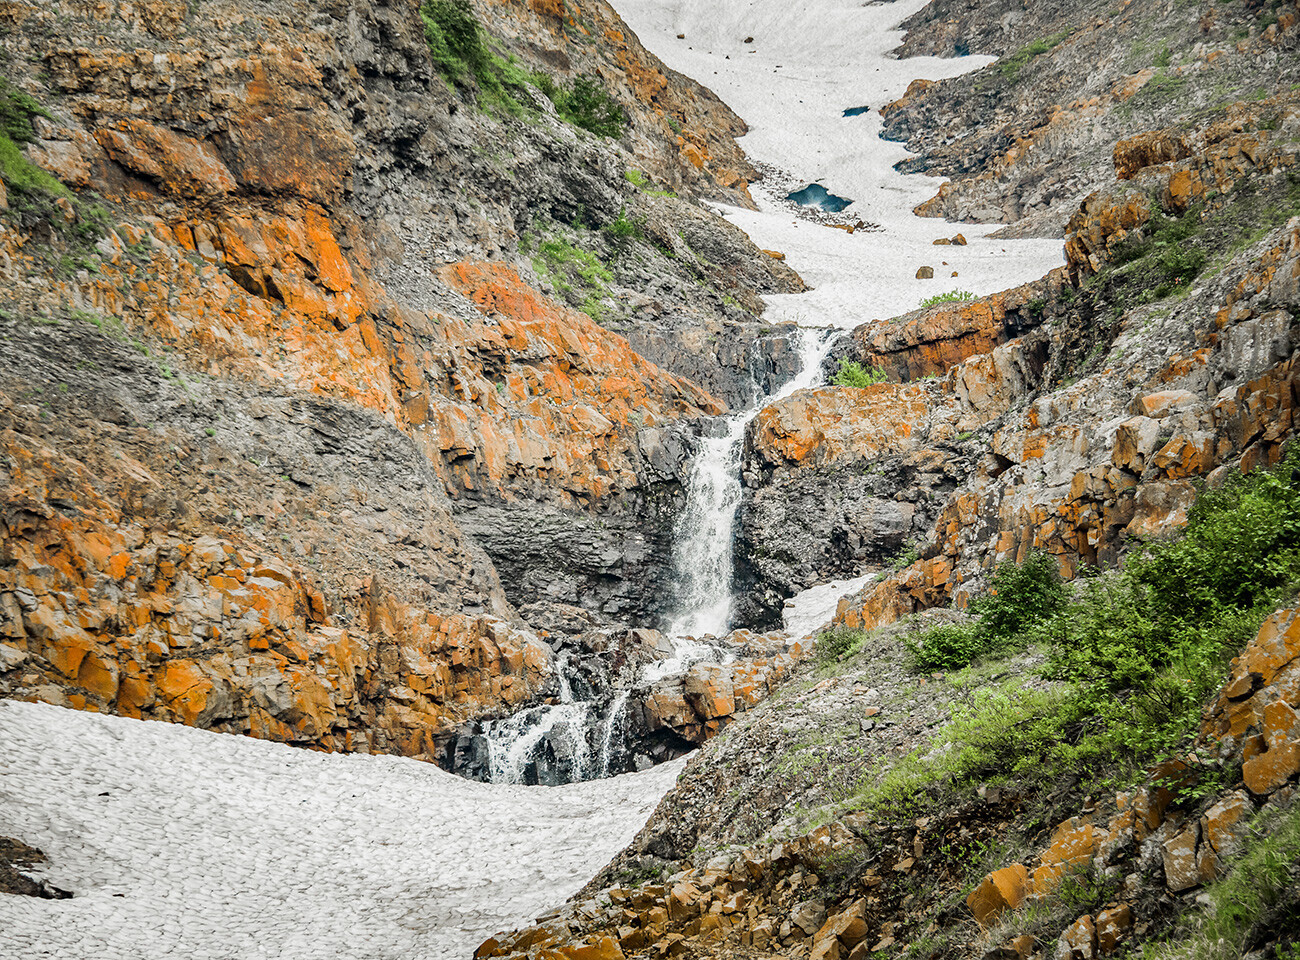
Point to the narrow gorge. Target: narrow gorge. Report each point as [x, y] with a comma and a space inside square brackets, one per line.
[569, 479]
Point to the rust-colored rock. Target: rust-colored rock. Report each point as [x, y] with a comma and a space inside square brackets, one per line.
[1113, 926]
[1182, 871]
[1000, 891]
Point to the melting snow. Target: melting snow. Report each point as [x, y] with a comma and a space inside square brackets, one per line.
[808, 62]
[810, 610]
[185, 843]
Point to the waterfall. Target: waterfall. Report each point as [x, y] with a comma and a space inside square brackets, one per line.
[704, 534]
[578, 739]
[613, 729]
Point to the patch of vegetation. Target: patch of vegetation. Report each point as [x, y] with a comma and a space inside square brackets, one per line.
[906, 557]
[623, 232]
[645, 185]
[952, 296]
[585, 103]
[575, 273]
[1134, 656]
[64, 226]
[947, 647]
[854, 374]
[1014, 64]
[1021, 597]
[839, 644]
[17, 110]
[461, 53]
[1169, 260]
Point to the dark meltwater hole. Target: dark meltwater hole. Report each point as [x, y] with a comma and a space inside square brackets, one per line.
[856, 111]
[815, 195]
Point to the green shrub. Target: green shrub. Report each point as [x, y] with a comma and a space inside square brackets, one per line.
[455, 39]
[623, 232]
[643, 183]
[952, 296]
[1020, 596]
[947, 647]
[585, 103]
[838, 644]
[854, 374]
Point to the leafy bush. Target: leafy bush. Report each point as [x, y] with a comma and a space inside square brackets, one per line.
[1020, 596]
[837, 644]
[947, 647]
[854, 374]
[623, 232]
[585, 103]
[952, 296]
[455, 39]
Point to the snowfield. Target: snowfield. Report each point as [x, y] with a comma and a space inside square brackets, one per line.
[810, 61]
[183, 843]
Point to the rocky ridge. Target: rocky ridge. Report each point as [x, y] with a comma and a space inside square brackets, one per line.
[1026, 138]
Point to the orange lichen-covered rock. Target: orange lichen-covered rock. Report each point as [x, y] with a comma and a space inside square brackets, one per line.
[1079, 941]
[932, 341]
[822, 426]
[179, 163]
[999, 892]
[1113, 926]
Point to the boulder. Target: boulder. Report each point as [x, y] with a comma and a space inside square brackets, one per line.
[1000, 891]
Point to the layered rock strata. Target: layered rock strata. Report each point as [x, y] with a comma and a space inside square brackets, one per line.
[1026, 138]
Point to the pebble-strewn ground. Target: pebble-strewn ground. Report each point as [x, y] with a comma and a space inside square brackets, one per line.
[183, 843]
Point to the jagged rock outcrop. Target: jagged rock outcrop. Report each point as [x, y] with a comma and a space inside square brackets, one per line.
[1026, 138]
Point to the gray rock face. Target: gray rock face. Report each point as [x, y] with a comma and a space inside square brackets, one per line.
[616, 563]
[804, 527]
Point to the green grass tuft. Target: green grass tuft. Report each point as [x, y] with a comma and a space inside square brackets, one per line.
[854, 374]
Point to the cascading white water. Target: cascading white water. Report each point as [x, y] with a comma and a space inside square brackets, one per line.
[613, 729]
[703, 537]
[513, 741]
[686, 654]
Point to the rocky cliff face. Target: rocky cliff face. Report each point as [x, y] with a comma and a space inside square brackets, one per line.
[286, 400]
[1026, 138]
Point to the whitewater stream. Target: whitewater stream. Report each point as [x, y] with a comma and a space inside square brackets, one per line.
[183, 843]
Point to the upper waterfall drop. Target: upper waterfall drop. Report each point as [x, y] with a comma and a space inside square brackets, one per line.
[705, 532]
